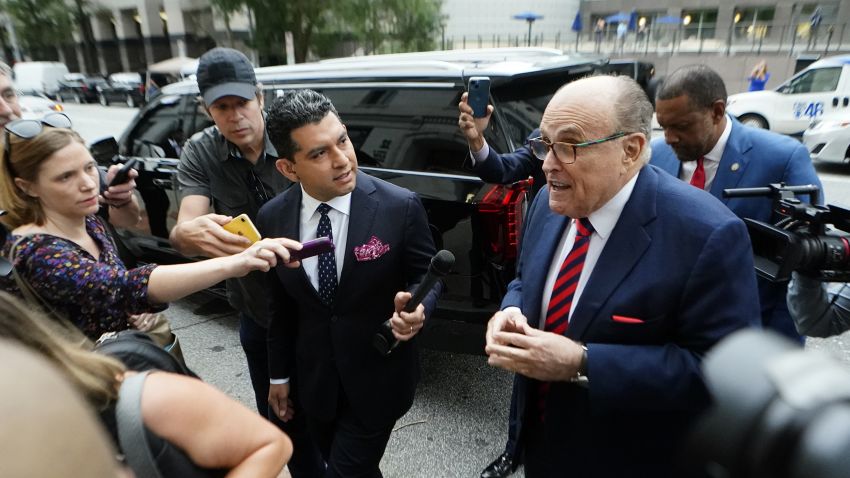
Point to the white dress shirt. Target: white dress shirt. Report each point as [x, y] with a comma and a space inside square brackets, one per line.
[712, 160]
[481, 155]
[339, 216]
[603, 220]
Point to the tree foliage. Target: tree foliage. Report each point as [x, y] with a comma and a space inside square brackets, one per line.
[40, 24]
[375, 25]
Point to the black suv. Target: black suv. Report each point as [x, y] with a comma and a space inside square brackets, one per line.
[401, 114]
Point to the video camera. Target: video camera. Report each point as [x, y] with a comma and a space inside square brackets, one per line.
[779, 412]
[800, 240]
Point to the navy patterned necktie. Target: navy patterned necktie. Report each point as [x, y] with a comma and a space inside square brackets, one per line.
[327, 261]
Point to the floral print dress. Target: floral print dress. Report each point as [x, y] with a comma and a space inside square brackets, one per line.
[97, 294]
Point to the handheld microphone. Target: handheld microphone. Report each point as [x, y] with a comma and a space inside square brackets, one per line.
[441, 264]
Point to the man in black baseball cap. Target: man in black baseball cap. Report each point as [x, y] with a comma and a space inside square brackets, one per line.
[226, 72]
[231, 167]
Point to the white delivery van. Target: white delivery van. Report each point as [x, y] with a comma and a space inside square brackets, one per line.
[821, 89]
[39, 76]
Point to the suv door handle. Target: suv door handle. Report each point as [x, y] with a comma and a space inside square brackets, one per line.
[162, 183]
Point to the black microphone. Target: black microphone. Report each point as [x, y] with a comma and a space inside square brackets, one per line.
[441, 265]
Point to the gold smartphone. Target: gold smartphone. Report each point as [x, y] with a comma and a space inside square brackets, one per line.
[243, 226]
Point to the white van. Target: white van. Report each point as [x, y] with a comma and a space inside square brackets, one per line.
[821, 89]
[39, 76]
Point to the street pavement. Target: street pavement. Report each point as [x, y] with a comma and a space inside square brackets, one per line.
[458, 421]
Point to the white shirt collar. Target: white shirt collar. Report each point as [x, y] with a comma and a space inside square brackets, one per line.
[339, 203]
[605, 218]
[716, 153]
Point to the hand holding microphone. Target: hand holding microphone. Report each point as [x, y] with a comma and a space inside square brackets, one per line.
[441, 264]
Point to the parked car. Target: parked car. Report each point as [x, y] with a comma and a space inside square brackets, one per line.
[36, 106]
[40, 77]
[79, 88]
[402, 120]
[821, 90]
[126, 88]
[828, 140]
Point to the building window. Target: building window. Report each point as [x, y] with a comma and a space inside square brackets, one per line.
[753, 23]
[698, 24]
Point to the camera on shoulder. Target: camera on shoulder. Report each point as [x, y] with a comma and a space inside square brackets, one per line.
[802, 239]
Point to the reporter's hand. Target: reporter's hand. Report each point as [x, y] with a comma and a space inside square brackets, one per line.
[208, 236]
[472, 128]
[280, 402]
[405, 325]
[119, 194]
[265, 254]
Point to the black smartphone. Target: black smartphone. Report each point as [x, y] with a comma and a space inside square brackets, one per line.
[123, 174]
[479, 95]
[312, 248]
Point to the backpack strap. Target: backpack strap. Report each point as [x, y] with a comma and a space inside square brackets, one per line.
[131, 428]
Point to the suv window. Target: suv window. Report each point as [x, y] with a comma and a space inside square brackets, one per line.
[401, 127]
[159, 122]
[814, 81]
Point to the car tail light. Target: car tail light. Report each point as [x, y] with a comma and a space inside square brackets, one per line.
[84, 88]
[502, 211]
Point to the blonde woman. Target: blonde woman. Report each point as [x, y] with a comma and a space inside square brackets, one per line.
[187, 420]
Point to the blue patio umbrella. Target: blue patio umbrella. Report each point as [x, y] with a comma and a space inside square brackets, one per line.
[617, 18]
[668, 19]
[529, 17]
[577, 27]
[633, 21]
[577, 23]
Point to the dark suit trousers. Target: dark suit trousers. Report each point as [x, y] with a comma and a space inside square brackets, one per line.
[306, 462]
[351, 448]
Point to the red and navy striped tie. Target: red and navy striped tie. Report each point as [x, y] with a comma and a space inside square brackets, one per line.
[558, 312]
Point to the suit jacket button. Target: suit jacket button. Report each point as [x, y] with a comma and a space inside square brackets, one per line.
[334, 319]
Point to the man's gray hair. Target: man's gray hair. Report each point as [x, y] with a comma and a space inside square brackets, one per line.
[633, 111]
[5, 70]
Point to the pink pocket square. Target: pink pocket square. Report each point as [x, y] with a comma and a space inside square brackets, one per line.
[371, 250]
[626, 320]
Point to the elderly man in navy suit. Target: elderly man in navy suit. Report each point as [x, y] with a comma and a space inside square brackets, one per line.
[326, 313]
[707, 148]
[626, 278]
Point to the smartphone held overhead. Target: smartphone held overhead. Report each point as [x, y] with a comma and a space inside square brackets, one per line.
[479, 95]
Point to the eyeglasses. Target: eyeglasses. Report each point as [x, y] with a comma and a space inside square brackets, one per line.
[30, 128]
[565, 152]
[258, 189]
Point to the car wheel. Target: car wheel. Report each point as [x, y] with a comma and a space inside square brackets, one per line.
[130, 101]
[102, 100]
[77, 99]
[755, 121]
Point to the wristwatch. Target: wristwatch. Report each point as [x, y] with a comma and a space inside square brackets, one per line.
[581, 375]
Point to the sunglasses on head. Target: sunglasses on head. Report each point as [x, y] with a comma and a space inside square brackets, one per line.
[30, 128]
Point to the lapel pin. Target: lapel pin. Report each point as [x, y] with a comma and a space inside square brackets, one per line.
[735, 167]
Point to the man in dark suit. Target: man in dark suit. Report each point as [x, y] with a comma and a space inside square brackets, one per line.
[626, 278]
[326, 313]
[704, 146]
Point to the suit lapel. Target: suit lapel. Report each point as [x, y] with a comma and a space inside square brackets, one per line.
[734, 161]
[291, 224]
[628, 242]
[360, 224]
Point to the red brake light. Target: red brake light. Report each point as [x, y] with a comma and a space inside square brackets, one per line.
[502, 211]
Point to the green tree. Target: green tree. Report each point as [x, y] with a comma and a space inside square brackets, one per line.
[379, 25]
[41, 25]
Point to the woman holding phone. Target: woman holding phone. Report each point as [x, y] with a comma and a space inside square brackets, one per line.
[62, 252]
